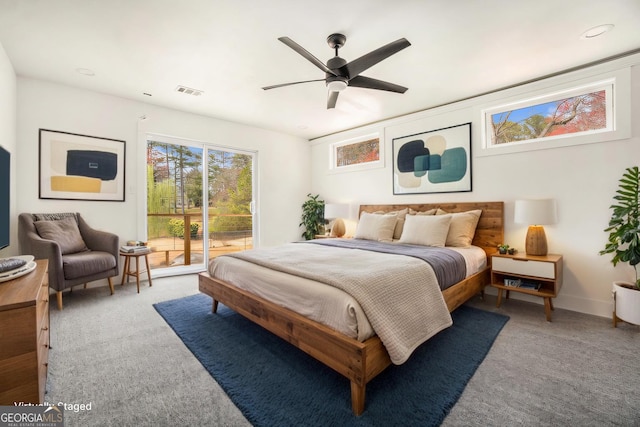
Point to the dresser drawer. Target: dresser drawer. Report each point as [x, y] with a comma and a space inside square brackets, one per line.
[24, 337]
[42, 311]
[524, 267]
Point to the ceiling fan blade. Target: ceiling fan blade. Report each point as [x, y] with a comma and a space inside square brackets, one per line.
[293, 83]
[302, 51]
[357, 66]
[331, 100]
[369, 83]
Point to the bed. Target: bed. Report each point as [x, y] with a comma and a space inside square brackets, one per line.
[360, 359]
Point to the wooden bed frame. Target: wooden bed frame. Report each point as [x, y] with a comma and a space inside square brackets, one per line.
[360, 362]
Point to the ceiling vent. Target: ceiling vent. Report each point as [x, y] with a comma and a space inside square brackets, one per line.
[189, 91]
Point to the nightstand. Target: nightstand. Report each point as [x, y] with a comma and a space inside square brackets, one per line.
[539, 276]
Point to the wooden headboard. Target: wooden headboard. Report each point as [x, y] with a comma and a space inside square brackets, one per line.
[490, 230]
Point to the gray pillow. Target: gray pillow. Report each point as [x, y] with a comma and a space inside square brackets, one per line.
[53, 216]
[65, 232]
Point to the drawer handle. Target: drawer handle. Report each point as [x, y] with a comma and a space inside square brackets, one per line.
[520, 259]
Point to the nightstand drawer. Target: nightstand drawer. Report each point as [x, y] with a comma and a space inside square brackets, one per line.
[524, 267]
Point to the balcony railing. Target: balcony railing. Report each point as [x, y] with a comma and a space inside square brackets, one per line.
[167, 247]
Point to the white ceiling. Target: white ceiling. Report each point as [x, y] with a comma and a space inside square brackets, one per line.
[229, 50]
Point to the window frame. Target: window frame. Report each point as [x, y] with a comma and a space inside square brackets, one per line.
[333, 154]
[617, 86]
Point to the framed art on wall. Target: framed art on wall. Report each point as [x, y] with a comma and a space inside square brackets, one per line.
[365, 152]
[436, 161]
[81, 167]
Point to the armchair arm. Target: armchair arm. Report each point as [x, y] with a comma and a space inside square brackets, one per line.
[98, 240]
[32, 244]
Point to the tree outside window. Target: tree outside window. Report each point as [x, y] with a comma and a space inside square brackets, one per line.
[578, 114]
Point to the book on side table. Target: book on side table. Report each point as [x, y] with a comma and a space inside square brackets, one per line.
[128, 249]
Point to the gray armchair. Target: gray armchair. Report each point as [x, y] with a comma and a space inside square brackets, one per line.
[76, 252]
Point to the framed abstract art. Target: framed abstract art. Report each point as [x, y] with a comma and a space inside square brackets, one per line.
[81, 167]
[436, 161]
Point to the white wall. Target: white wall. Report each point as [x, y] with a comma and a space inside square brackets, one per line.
[581, 178]
[8, 139]
[282, 160]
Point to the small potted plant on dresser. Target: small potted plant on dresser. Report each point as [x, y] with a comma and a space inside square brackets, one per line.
[624, 244]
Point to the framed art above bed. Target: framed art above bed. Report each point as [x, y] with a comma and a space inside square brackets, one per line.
[436, 161]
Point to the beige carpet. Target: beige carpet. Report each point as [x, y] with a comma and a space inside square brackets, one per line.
[116, 354]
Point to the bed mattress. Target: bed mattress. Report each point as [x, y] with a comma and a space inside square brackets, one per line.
[315, 300]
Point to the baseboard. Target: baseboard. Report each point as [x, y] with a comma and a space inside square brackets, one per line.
[567, 302]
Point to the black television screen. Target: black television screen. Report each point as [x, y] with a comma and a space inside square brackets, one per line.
[5, 196]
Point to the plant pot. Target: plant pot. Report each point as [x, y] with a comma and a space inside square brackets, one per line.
[502, 251]
[626, 299]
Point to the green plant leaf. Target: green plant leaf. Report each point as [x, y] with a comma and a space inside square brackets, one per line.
[624, 226]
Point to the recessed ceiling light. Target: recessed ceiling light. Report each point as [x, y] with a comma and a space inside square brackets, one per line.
[597, 31]
[85, 72]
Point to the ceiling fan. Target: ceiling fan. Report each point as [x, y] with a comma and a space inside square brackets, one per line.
[340, 73]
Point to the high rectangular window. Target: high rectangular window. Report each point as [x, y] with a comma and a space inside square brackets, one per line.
[362, 153]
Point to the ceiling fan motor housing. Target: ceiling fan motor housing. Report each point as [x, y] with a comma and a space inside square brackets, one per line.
[336, 65]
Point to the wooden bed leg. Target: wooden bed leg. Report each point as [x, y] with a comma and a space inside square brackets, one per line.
[357, 398]
[214, 308]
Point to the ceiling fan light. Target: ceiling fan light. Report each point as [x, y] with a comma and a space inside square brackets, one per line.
[337, 86]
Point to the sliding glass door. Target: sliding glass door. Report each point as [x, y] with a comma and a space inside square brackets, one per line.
[193, 216]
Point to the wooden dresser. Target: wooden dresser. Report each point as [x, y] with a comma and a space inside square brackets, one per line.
[24, 337]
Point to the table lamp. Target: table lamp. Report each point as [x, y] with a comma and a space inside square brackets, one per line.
[535, 213]
[335, 212]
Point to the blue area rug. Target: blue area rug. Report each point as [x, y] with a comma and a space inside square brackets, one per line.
[275, 384]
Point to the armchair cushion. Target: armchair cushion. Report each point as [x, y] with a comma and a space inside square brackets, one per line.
[65, 232]
[87, 263]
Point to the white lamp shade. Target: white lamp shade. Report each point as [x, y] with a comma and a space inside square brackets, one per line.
[336, 210]
[535, 212]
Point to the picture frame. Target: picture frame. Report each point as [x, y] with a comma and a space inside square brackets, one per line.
[72, 166]
[356, 154]
[435, 161]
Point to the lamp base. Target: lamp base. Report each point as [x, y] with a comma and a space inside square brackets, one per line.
[536, 243]
[338, 228]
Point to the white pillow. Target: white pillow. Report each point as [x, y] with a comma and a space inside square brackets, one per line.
[376, 227]
[428, 212]
[463, 227]
[402, 213]
[426, 230]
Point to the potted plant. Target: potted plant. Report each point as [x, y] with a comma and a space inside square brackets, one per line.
[312, 217]
[503, 248]
[624, 244]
